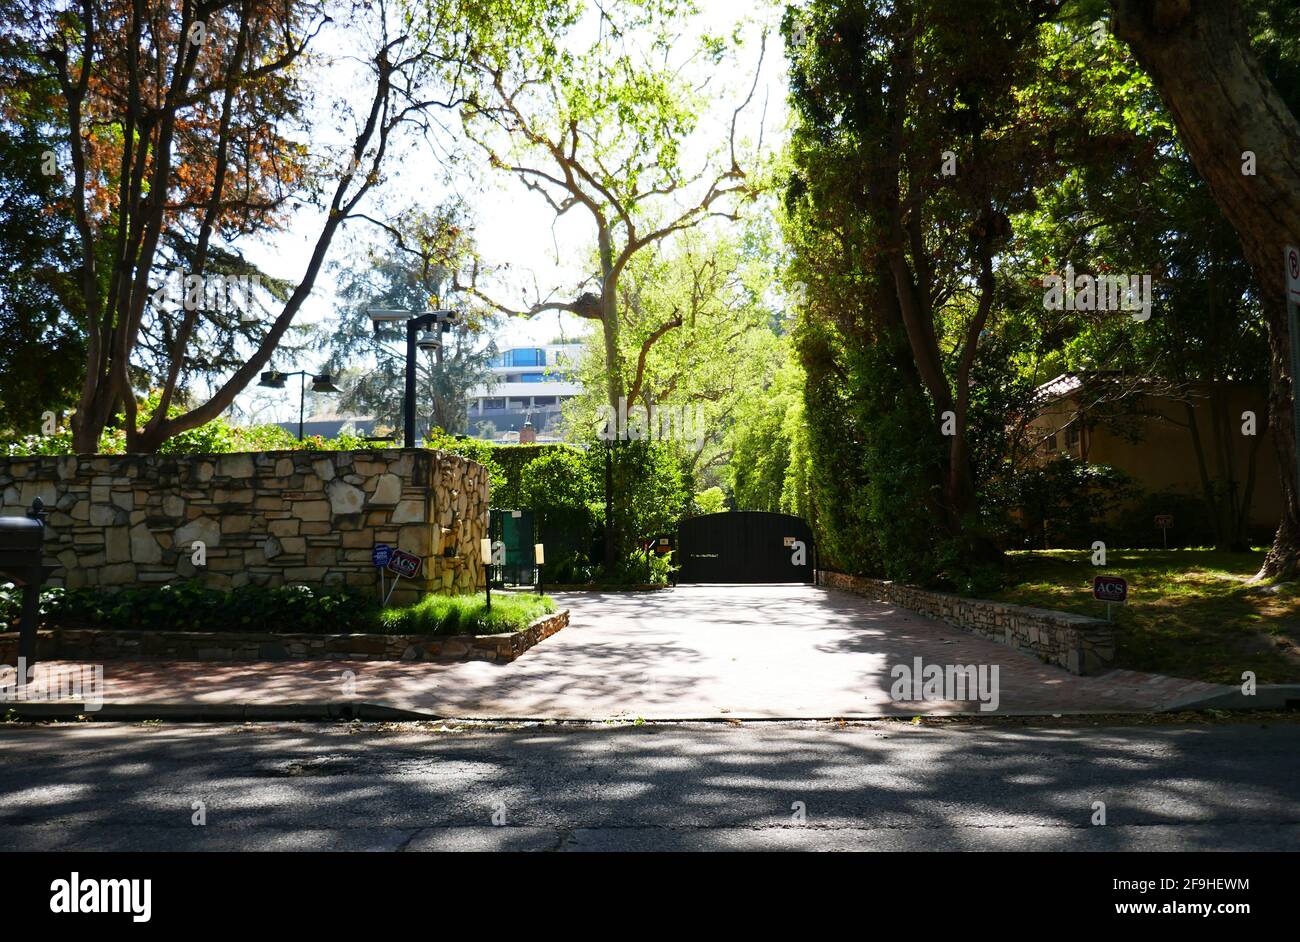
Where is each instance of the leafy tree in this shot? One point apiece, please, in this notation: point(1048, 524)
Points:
point(920, 129)
point(598, 126)
point(715, 292)
point(179, 136)
point(1129, 200)
point(760, 445)
point(41, 357)
point(711, 500)
point(1230, 74)
point(410, 272)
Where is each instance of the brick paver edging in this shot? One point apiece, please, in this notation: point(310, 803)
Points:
point(99, 644)
point(1080, 644)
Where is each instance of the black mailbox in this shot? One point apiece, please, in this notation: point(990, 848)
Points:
point(22, 540)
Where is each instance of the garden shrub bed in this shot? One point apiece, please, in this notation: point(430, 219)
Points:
point(98, 644)
point(188, 607)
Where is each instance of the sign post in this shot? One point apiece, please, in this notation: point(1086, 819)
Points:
point(1293, 328)
point(402, 565)
point(1164, 522)
point(1110, 589)
point(485, 553)
point(379, 556)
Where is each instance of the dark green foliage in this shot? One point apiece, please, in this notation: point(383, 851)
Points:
point(654, 490)
point(188, 606)
point(1069, 146)
point(1192, 525)
point(571, 568)
point(1064, 503)
point(560, 477)
point(562, 480)
point(42, 354)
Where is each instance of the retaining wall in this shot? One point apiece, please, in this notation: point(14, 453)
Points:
point(1080, 644)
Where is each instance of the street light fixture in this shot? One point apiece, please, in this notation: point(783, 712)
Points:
point(420, 334)
point(320, 383)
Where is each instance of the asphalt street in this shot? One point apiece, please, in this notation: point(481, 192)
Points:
point(874, 785)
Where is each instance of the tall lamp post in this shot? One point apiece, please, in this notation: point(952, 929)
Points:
point(320, 383)
point(420, 334)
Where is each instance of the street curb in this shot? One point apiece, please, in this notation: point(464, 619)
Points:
point(214, 712)
point(1267, 697)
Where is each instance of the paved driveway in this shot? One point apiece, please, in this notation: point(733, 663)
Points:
point(693, 652)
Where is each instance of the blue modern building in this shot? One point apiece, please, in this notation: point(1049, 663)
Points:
point(529, 384)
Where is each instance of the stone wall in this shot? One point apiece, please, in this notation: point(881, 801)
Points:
point(102, 644)
point(270, 518)
point(1080, 644)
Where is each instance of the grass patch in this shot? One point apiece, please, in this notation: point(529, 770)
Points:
point(1190, 612)
point(466, 614)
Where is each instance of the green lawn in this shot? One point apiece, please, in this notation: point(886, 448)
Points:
point(1190, 612)
point(467, 614)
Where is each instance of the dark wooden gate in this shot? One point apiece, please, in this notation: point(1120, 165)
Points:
point(749, 546)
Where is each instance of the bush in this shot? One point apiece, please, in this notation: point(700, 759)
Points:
point(1066, 503)
point(710, 501)
point(639, 569)
point(217, 437)
point(561, 478)
point(188, 606)
point(570, 569)
point(1192, 526)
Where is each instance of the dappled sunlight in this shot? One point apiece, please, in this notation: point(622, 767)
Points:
point(698, 652)
point(384, 784)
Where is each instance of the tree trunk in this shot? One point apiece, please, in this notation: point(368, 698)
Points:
point(1207, 485)
point(1223, 104)
point(614, 390)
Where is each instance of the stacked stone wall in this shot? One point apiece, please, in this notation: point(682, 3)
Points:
point(271, 518)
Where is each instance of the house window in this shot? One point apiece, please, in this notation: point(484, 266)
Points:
point(530, 356)
point(526, 356)
point(532, 378)
point(1051, 442)
point(1072, 436)
point(543, 400)
point(494, 403)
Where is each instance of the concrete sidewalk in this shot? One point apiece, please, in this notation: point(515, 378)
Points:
point(694, 652)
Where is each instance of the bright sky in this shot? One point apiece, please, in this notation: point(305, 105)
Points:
point(514, 225)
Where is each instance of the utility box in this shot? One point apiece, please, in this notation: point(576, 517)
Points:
point(22, 541)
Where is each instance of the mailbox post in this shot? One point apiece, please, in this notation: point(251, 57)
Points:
point(21, 542)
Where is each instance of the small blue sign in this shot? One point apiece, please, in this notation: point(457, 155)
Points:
point(380, 555)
